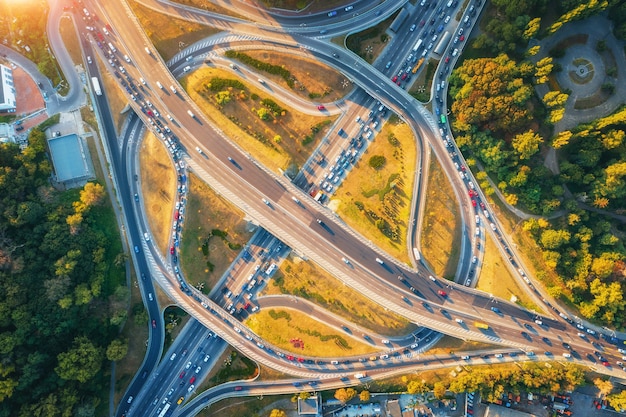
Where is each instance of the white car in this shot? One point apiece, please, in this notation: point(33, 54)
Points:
point(191, 387)
point(188, 365)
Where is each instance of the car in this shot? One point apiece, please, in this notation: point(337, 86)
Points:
point(321, 107)
point(172, 250)
point(191, 387)
point(153, 324)
point(422, 23)
point(465, 357)
point(385, 341)
point(130, 399)
point(192, 379)
point(461, 38)
point(206, 358)
point(136, 249)
point(180, 400)
point(442, 293)
point(188, 365)
point(301, 360)
point(394, 78)
point(238, 388)
point(498, 355)
point(474, 259)
point(198, 369)
point(182, 375)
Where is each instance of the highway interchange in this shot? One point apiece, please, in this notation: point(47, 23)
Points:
point(302, 224)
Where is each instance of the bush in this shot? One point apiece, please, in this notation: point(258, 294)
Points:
point(377, 161)
point(263, 66)
point(272, 106)
point(219, 84)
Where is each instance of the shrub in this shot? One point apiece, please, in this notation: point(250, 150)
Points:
point(377, 161)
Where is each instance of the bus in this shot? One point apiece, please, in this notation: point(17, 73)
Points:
point(443, 43)
point(443, 119)
point(418, 65)
point(167, 407)
point(481, 325)
point(96, 86)
point(417, 45)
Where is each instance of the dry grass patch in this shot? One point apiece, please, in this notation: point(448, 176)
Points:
point(448, 344)
point(441, 231)
point(289, 328)
point(313, 79)
point(68, 34)
point(204, 254)
point(495, 278)
point(240, 406)
point(305, 280)
point(167, 32)
point(376, 202)
point(158, 187)
point(285, 139)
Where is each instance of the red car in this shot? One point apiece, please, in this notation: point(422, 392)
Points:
point(182, 374)
point(473, 203)
point(290, 357)
point(399, 82)
point(154, 324)
point(422, 23)
point(482, 205)
point(403, 76)
point(394, 78)
point(463, 168)
point(462, 38)
point(172, 250)
point(192, 380)
point(447, 59)
point(247, 306)
point(237, 388)
point(300, 360)
point(176, 215)
point(442, 293)
point(320, 107)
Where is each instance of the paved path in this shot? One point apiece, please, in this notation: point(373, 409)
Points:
point(597, 28)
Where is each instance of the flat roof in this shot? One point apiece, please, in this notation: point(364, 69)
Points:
point(70, 158)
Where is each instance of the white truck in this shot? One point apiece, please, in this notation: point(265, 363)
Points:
point(360, 375)
point(190, 113)
point(96, 86)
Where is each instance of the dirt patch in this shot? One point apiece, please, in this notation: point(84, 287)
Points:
point(27, 95)
point(376, 202)
point(371, 42)
point(272, 132)
point(169, 34)
point(158, 188)
point(305, 280)
point(441, 228)
point(204, 254)
point(313, 79)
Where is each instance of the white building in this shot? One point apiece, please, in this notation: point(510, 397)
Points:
point(7, 90)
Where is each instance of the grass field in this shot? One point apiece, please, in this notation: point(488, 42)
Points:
point(441, 228)
point(284, 327)
point(68, 34)
point(168, 33)
point(158, 188)
point(313, 80)
point(495, 278)
point(371, 42)
point(205, 259)
point(306, 280)
point(278, 142)
point(376, 202)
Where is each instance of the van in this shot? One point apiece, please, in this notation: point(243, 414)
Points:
point(127, 58)
point(112, 47)
point(270, 269)
point(450, 3)
point(455, 52)
point(190, 113)
point(173, 356)
point(251, 284)
point(466, 20)
point(146, 236)
point(89, 60)
point(142, 81)
point(148, 50)
point(159, 85)
point(150, 296)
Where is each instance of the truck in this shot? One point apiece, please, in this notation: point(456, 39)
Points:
point(443, 43)
point(417, 45)
point(418, 65)
point(360, 375)
point(190, 113)
point(480, 325)
point(96, 86)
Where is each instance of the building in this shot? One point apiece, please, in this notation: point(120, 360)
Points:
point(309, 407)
point(7, 90)
point(393, 408)
point(5, 133)
point(71, 160)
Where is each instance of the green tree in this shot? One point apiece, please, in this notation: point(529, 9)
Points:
point(222, 98)
point(377, 161)
point(263, 113)
point(117, 350)
point(81, 362)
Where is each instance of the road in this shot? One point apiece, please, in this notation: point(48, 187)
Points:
point(298, 226)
